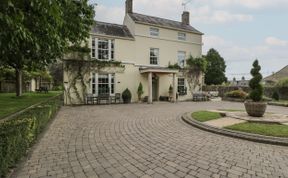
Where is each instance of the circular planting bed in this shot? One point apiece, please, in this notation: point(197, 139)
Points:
point(272, 128)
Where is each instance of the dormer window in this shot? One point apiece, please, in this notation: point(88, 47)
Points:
point(181, 36)
point(102, 49)
point(154, 31)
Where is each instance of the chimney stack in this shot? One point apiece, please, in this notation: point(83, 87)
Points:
point(129, 6)
point(185, 18)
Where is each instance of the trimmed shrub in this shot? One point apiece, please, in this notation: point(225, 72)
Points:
point(20, 132)
point(255, 83)
point(126, 96)
point(236, 94)
point(275, 96)
point(140, 91)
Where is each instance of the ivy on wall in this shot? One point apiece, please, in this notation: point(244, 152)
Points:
point(194, 72)
point(78, 66)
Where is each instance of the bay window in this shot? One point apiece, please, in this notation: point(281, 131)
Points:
point(102, 49)
point(103, 84)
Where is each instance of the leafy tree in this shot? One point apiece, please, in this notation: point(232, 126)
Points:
point(36, 32)
point(216, 67)
point(255, 83)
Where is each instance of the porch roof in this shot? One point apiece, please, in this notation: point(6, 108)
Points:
point(162, 70)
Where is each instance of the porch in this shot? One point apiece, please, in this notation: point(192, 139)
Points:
point(153, 81)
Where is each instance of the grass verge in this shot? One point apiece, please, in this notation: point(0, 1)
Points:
point(262, 129)
point(203, 116)
point(10, 104)
point(20, 132)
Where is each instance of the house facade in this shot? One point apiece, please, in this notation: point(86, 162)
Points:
point(145, 46)
point(273, 79)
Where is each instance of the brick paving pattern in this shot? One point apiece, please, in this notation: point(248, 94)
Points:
point(141, 140)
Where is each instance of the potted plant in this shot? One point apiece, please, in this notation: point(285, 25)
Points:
point(170, 91)
point(126, 96)
point(255, 106)
point(140, 91)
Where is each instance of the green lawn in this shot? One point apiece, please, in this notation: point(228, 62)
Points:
point(203, 116)
point(10, 104)
point(262, 129)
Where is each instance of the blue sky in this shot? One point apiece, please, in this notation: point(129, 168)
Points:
point(241, 30)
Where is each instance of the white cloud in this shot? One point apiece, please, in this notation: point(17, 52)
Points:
point(112, 14)
point(219, 17)
point(252, 4)
point(172, 9)
point(273, 41)
point(239, 58)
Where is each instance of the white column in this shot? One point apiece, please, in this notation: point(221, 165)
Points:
point(150, 99)
point(174, 87)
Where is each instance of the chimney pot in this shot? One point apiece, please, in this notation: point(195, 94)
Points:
point(129, 6)
point(186, 18)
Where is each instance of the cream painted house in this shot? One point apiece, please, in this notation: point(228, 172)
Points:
point(145, 46)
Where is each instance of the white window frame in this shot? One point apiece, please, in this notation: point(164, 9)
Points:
point(181, 84)
point(95, 48)
point(182, 36)
point(154, 32)
point(154, 57)
point(181, 56)
point(95, 82)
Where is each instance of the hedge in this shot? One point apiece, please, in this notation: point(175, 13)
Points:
point(19, 133)
point(236, 94)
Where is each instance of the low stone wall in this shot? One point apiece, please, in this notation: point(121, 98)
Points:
point(268, 91)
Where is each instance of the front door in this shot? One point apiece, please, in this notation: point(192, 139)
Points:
point(155, 81)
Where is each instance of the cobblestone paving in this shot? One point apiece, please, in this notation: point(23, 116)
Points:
point(141, 140)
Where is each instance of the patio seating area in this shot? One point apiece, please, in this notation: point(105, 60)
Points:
point(103, 99)
point(201, 96)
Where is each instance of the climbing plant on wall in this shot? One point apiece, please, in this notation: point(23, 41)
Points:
point(78, 66)
point(194, 72)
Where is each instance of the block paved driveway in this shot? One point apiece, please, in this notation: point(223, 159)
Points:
point(140, 140)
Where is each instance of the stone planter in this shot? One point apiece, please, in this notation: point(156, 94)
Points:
point(255, 109)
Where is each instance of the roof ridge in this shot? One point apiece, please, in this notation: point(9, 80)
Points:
point(109, 23)
point(158, 17)
point(272, 75)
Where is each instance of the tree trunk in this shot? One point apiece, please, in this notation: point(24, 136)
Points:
point(18, 82)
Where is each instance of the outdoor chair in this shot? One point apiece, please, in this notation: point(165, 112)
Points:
point(116, 98)
point(90, 99)
point(104, 97)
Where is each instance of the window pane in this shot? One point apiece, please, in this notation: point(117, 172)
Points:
point(154, 56)
point(154, 31)
point(181, 58)
point(181, 86)
point(103, 84)
point(181, 36)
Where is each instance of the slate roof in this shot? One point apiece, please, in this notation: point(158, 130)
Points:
point(145, 19)
point(103, 28)
point(283, 73)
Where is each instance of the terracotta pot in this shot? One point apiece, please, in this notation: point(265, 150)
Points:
point(255, 109)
